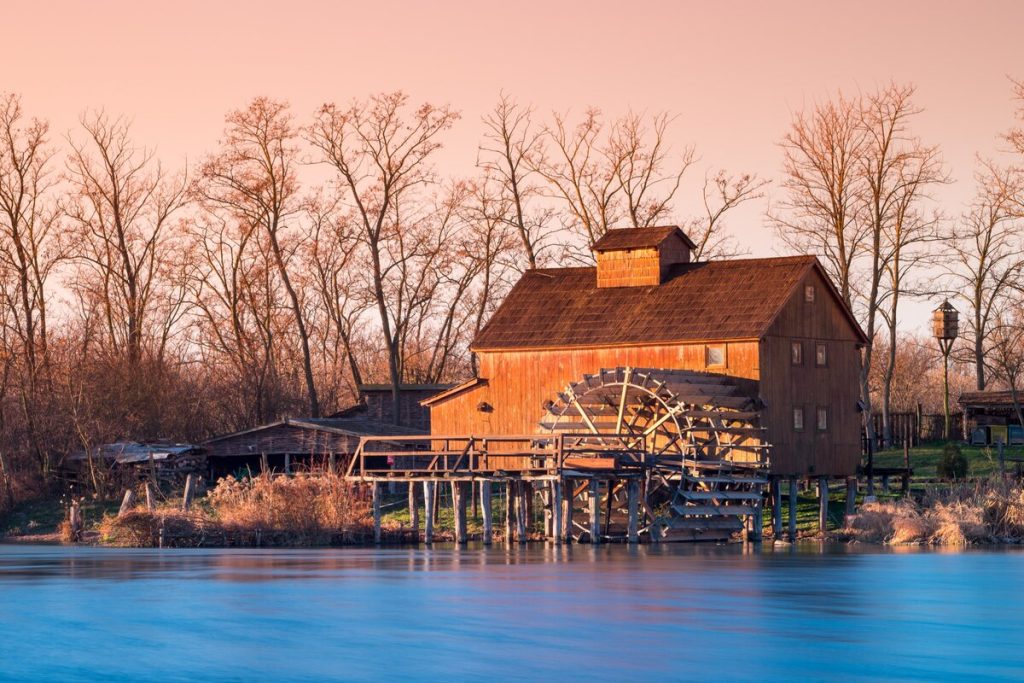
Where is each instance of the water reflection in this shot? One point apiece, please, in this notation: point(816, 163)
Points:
point(519, 612)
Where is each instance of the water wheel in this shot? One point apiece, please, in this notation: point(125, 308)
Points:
point(695, 436)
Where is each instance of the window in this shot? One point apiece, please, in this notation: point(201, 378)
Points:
point(820, 354)
point(798, 419)
point(715, 355)
point(796, 353)
point(822, 419)
point(809, 294)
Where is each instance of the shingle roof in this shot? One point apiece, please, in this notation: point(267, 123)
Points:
point(639, 238)
point(559, 307)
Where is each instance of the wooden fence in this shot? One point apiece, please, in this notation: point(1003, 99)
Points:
point(921, 427)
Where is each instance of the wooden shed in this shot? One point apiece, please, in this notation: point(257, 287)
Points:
point(768, 338)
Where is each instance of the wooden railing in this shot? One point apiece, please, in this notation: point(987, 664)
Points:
point(425, 456)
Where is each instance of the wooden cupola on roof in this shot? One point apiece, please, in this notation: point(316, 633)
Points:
point(640, 257)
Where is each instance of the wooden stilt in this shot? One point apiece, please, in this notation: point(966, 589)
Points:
point(485, 509)
point(555, 497)
point(522, 510)
point(510, 510)
point(568, 495)
point(792, 509)
point(595, 511)
point(186, 499)
point(127, 503)
point(414, 512)
point(549, 516)
point(851, 496)
point(150, 498)
point(287, 464)
point(885, 483)
point(633, 506)
point(332, 463)
point(823, 504)
point(428, 511)
point(376, 511)
point(459, 504)
point(755, 523)
point(775, 486)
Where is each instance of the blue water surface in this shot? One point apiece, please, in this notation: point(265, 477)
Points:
point(613, 613)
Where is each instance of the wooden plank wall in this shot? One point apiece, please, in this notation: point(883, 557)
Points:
point(835, 452)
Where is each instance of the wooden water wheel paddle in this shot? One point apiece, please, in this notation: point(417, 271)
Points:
point(695, 435)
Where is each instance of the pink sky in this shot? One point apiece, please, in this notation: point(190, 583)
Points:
point(733, 72)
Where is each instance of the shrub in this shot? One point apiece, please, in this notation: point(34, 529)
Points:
point(953, 463)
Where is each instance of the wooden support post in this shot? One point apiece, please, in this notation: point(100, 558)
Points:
point(885, 483)
point(775, 488)
point(549, 516)
point(568, 494)
point(287, 463)
point(792, 509)
point(428, 512)
point(522, 510)
point(186, 500)
point(633, 507)
point(150, 498)
point(414, 511)
point(75, 521)
point(376, 510)
point(851, 497)
point(595, 511)
point(332, 463)
point(1002, 458)
point(823, 504)
point(510, 510)
point(127, 503)
point(557, 526)
point(755, 523)
point(459, 505)
point(264, 465)
point(485, 508)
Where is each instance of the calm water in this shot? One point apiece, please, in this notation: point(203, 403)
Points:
point(615, 613)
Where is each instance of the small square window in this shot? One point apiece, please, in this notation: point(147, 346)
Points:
point(809, 294)
point(715, 356)
point(821, 354)
point(822, 419)
point(796, 353)
point(798, 419)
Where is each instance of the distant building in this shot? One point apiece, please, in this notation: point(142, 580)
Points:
point(990, 417)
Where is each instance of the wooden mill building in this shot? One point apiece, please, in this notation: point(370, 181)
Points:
point(656, 386)
point(777, 326)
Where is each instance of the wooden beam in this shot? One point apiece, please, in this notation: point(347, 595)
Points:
point(150, 498)
point(428, 511)
point(775, 484)
point(595, 511)
point(851, 496)
point(522, 510)
point(510, 510)
point(568, 495)
point(127, 503)
point(186, 499)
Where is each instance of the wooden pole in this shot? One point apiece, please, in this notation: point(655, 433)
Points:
point(127, 503)
point(851, 496)
point(775, 486)
point(792, 509)
point(595, 511)
point(428, 512)
point(557, 526)
point(459, 505)
point(376, 511)
point(755, 524)
point(569, 491)
point(186, 501)
point(414, 511)
point(485, 508)
point(264, 464)
point(332, 463)
point(633, 506)
point(906, 462)
point(522, 510)
point(150, 498)
point(287, 463)
point(549, 513)
point(822, 504)
point(75, 521)
point(510, 509)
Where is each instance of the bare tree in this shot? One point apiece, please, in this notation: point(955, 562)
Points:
point(986, 255)
point(1005, 356)
point(722, 193)
point(508, 154)
point(381, 153)
point(29, 248)
point(122, 208)
point(253, 177)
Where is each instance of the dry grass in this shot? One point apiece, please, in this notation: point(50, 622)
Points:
point(261, 511)
point(988, 511)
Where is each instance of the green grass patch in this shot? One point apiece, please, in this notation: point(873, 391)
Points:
point(43, 516)
point(983, 460)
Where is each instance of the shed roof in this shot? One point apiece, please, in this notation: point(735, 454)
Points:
point(346, 426)
point(999, 399)
point(715, 300)
point(640, 238)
